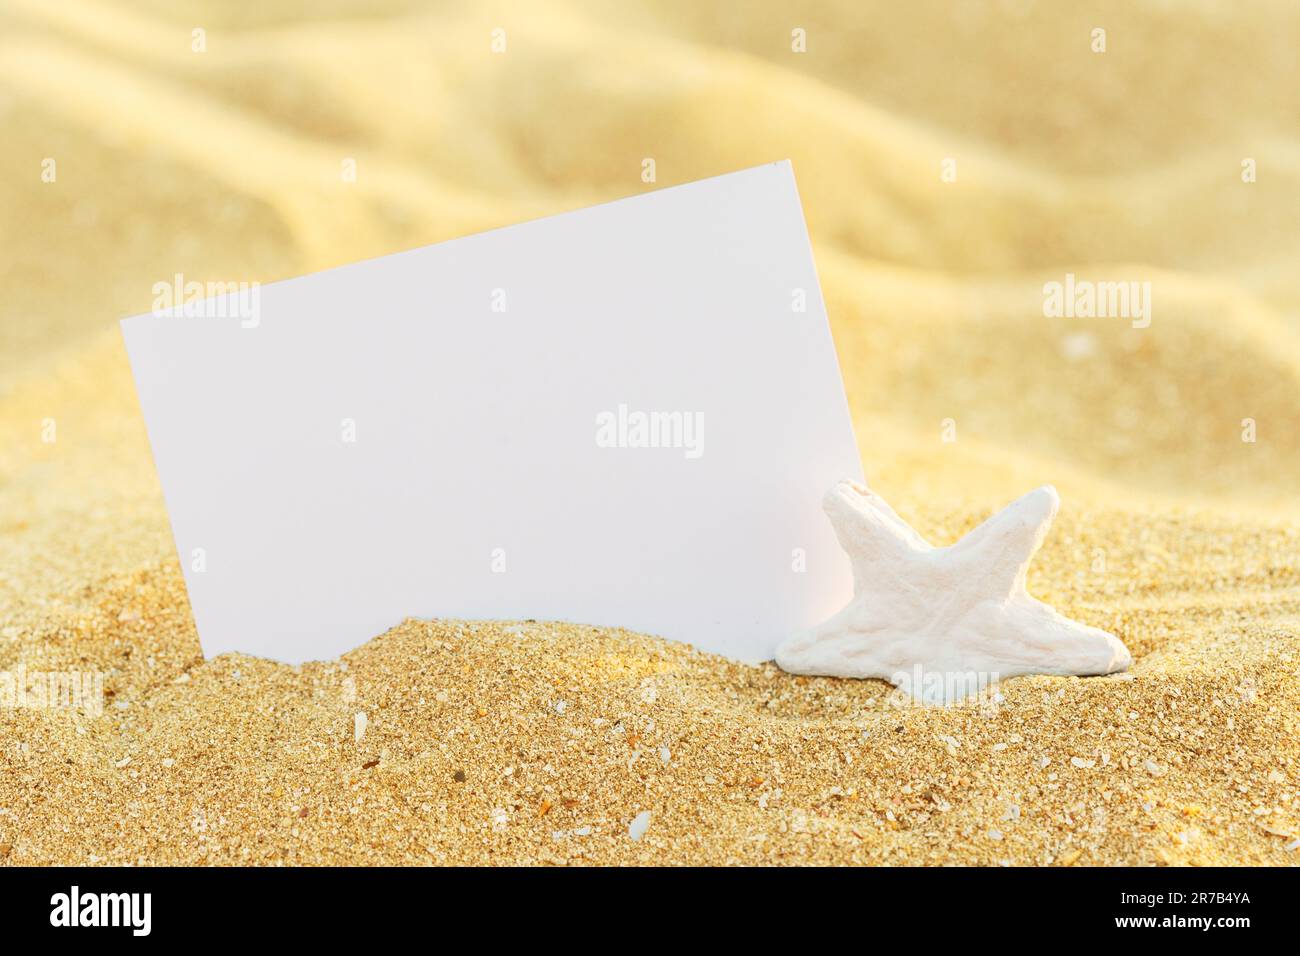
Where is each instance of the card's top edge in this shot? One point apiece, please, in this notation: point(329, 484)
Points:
point(784, 165)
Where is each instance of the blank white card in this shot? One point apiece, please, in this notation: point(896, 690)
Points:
point(623, 416)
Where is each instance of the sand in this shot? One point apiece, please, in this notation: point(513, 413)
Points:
point(530, 742)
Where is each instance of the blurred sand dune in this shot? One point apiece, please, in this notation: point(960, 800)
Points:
point(226, 164)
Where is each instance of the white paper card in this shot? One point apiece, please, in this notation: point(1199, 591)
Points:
point(624, 416)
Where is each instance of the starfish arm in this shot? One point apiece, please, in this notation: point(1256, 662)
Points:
point(871, 534)
point(1001, 548)
point(864, 521)
point(888, 515)
point(1048, 642)
point(845, 644)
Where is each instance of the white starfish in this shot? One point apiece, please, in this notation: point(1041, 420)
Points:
point(944, 622)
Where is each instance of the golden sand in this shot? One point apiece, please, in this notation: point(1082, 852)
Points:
point(542, 743)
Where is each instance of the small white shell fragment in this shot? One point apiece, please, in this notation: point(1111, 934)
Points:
point(359, 723)
point(640, 823)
